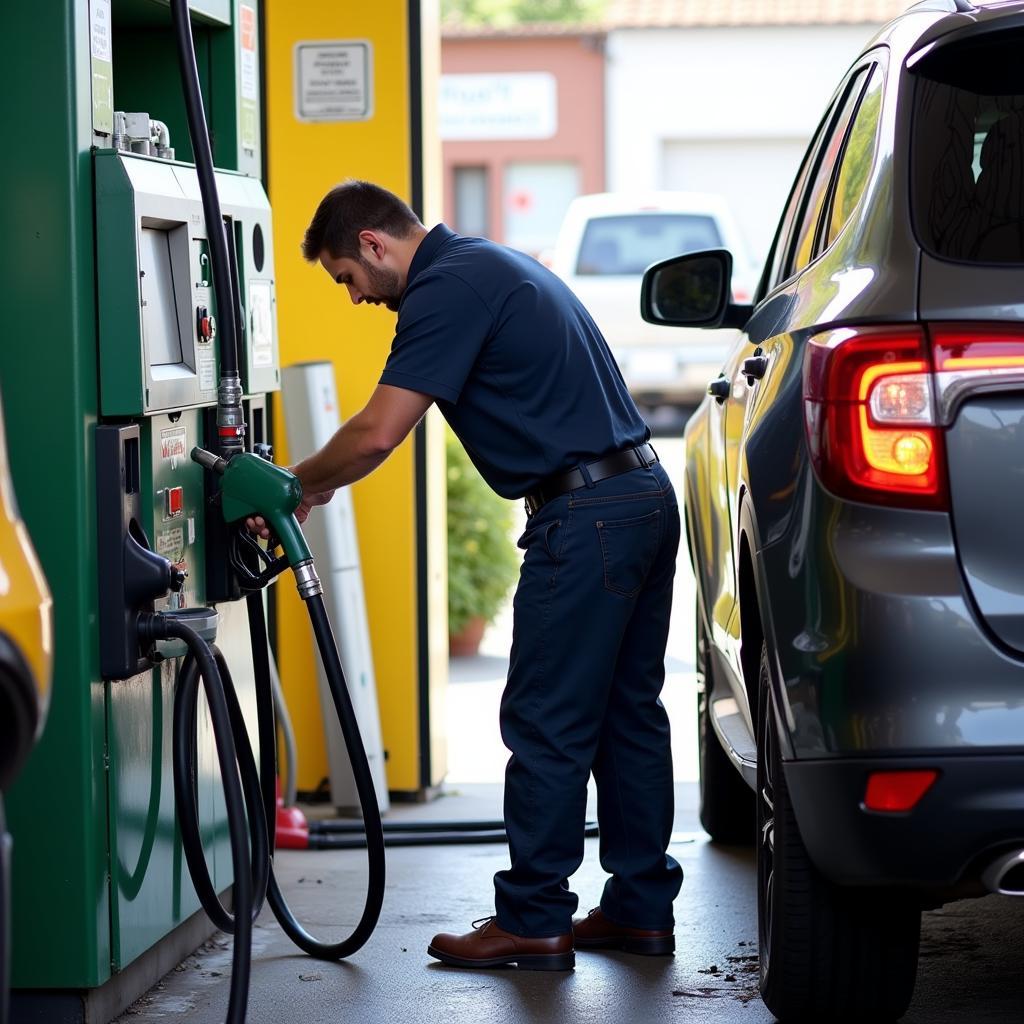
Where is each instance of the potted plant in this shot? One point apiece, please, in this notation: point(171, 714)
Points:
point(482, 559)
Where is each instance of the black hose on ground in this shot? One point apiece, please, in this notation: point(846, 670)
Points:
point(360, 769)
point(185, 775)
point(164, 627)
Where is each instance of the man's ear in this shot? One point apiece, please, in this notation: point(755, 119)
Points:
point(374, 242)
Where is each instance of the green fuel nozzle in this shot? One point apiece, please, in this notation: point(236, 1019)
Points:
point(252, 486)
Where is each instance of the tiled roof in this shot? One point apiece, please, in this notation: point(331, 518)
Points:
point(699, 14)
point(532, 30)
point(708, 13)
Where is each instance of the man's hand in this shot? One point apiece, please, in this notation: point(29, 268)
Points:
point(258, 525)
point(310, 501)
point(357, 448)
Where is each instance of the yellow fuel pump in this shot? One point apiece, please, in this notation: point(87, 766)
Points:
point(26, 659)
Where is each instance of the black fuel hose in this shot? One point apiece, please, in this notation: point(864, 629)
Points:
point(259, 785)
point(200, 136)
point(185, 774)
point(360, 769)
point(165, 627)
point(331, 826)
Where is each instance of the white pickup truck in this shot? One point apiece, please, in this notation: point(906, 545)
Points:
point(605, 243)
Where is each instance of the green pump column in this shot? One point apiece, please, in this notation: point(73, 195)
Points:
point(98, 874)
point(58, 809)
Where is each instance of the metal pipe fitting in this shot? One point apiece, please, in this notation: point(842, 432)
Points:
point(230, 416)
point(307, 580)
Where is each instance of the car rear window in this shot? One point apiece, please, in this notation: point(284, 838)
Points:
point(630, 243)
point(967, 161)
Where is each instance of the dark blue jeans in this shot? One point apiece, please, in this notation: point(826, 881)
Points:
point(591, 616)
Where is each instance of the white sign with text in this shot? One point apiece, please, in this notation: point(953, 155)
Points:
point(334, 80)
point(516, 105)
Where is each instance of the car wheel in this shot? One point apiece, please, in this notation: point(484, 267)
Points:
point(726, 801)
point(827, 953)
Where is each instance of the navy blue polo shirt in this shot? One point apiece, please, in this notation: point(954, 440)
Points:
point(515, 363)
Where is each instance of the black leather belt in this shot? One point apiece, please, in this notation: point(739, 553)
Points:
point(600, 469)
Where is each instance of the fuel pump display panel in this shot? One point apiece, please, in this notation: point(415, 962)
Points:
point(157, 309)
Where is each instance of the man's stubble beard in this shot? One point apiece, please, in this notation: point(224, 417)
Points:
point(386, 285)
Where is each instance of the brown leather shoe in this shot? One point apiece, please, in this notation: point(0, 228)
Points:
point(487, 945)
point(595, 931)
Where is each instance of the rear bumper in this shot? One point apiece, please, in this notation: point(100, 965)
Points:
point(974, 810)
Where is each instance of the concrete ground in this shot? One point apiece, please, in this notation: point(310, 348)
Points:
point(970, 964)
point(970, 969)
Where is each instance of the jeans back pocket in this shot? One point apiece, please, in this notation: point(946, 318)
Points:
point(629, 548)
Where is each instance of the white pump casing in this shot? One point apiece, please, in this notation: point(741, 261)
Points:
point(312, 417)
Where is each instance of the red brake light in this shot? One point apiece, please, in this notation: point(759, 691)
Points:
point(870, 417)
point(899, 791)
point(969, 354)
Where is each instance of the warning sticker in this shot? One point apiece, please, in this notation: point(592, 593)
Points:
point(100, 31)
point(207, 371)
point(171, 543)
point(262, 322)
point(248, 73)
point(247, 41)
point(334, 81)
point(173, 445)
point(100, 36)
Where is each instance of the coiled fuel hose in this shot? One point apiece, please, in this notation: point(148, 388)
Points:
point(164, 627)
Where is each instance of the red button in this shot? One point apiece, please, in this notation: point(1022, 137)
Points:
point(175, 501)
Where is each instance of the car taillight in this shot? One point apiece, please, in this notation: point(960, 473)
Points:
point(877, 399)
point(897, 792)
point(968, 356)
point(869, 411)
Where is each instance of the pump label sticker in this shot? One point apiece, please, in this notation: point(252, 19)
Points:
point(207, 367)
point(173, 445)
point(334, 81)
point(248, 77)
point(262, 318)
point(100, 33)
point(171, 543)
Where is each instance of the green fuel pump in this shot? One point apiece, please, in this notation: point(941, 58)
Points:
point(243, 484)
point(154, 328)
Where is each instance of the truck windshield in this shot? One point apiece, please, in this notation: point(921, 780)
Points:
point(967, 161)
point(630, 243)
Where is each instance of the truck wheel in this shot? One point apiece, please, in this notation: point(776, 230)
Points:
point(726, 801)
point(827, 952)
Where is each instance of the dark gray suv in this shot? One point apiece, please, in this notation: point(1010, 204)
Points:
point(855, 500)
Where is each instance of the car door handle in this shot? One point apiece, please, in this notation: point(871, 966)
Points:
point(755, 366)
point(719, 389)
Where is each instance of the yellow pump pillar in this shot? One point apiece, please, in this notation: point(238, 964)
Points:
point(347, 86)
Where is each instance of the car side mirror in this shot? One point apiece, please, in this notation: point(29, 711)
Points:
point(694, 290)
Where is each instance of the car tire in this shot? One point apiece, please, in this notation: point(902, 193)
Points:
point(726, 801)
point(827, 952)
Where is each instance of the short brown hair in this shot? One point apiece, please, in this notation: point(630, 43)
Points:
point(349, 208)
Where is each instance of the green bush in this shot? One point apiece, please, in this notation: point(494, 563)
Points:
point(482, 559)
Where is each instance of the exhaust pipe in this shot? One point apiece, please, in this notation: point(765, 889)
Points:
point(1005, 875)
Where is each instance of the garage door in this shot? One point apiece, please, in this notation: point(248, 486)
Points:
point(754, 175)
